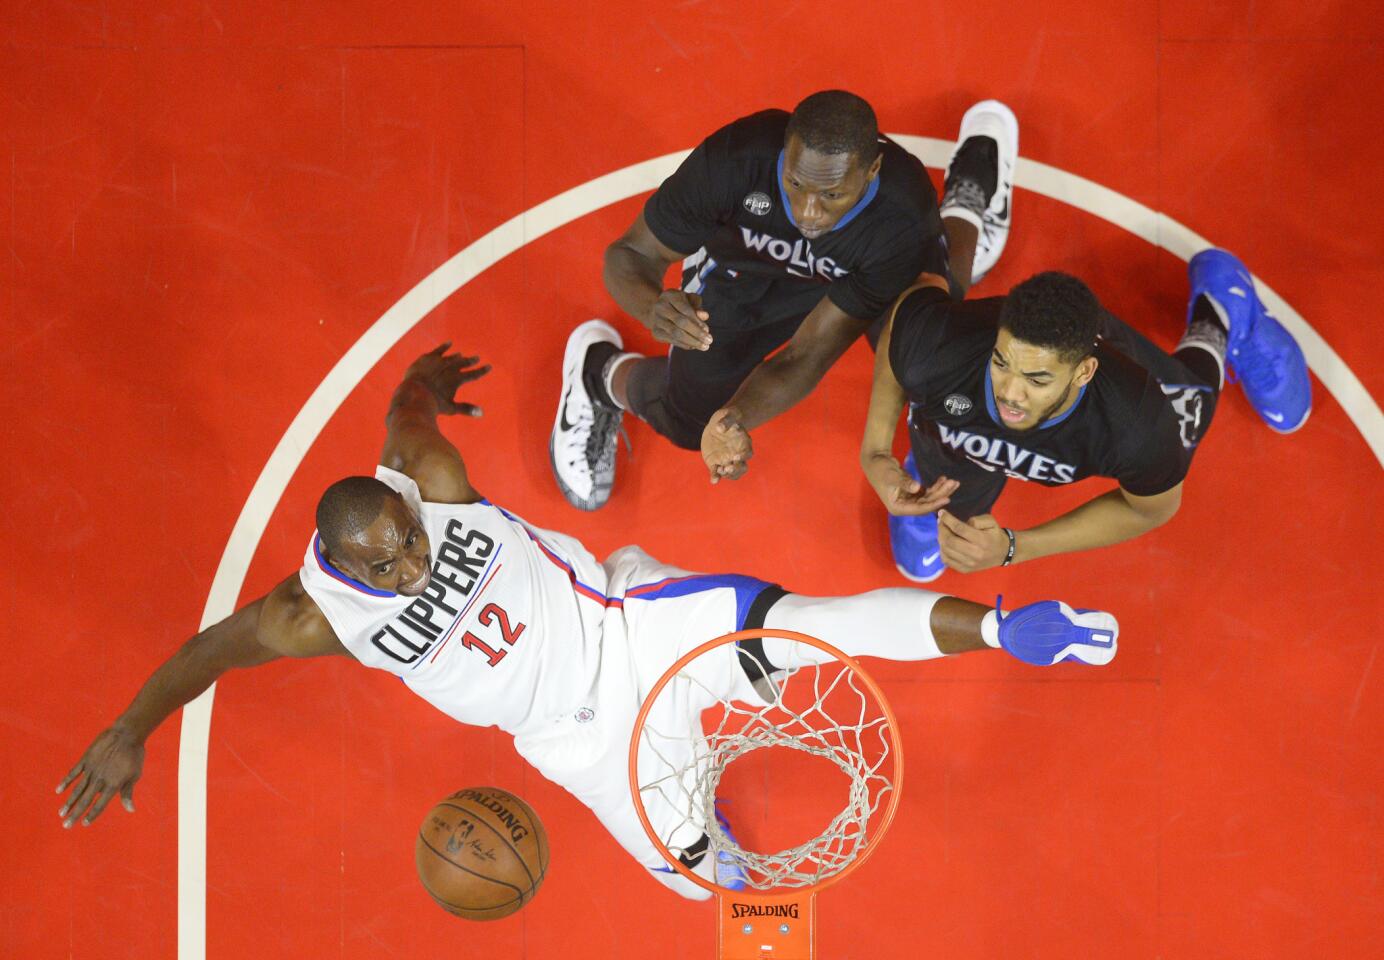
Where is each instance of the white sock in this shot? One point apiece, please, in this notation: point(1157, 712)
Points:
point(608, 374)
point(893, 623)
point(990, 629)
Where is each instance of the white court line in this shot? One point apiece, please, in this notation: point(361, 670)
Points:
point(486, 252)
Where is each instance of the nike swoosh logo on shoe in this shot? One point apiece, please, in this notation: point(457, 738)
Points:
point(931, 557)
point(563, 422)
point(1275, 417)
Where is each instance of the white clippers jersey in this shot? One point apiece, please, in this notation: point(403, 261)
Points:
point(508, 632)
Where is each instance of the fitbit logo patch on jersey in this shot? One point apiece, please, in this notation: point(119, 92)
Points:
point(957, 405)
point(796, 256)
point(758, 203)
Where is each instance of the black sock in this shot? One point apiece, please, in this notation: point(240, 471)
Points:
point(1203, 347)
point(1202, 365)
point(593, 372)
point(1204, 312)
point(977, 161)
point(1202, 356)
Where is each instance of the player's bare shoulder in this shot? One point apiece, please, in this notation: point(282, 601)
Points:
point(439, 472)
point(292, 625)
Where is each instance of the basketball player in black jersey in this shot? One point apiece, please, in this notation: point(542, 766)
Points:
point(797, 230)
point(1045, 385)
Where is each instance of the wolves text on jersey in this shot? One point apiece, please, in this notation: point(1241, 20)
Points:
point(997, 453)
point(460, 560)
point(797, 256)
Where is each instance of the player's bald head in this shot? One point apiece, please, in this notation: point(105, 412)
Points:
point(836, 122)
point(348, 508)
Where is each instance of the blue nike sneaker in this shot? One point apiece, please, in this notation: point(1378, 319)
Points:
point(1268, 361)
point(917, 552)
point(729, 874)
point(1051, 632)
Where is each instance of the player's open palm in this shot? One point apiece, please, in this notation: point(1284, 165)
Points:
point(902, 495)
point(444, 374)
point(111, 765)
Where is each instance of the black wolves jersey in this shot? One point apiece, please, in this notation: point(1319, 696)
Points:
point(1121, 426)
point(727, 199)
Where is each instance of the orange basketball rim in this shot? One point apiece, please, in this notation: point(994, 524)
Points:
point(778, 923)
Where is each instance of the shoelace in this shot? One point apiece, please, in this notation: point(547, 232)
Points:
point(578, 440)
point(990, 230)
point(602, 439)
point(966, 194)
point(1260, 371)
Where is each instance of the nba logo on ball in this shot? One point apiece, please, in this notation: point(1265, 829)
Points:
point(957, 405)
point(481, 853)
point(758, 203)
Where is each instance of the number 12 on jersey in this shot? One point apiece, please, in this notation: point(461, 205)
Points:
point(510, 635)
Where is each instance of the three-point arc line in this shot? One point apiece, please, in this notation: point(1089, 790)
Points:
point(465, 266)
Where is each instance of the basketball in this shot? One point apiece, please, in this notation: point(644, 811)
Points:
point(481, 853)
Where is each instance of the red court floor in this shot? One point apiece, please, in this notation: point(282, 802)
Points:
point(208, 204)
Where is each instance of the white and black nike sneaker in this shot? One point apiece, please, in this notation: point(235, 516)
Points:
point(586, 430)
point(980, 179)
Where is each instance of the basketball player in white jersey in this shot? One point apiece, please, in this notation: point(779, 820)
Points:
point(497, 622)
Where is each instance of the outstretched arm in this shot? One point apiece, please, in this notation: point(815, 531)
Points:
point(775, 385)
point(284, 623)
point(414, 445)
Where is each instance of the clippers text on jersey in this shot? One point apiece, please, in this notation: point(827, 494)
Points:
point(461, 558)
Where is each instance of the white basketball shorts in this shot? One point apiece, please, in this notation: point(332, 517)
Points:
point(655, 613)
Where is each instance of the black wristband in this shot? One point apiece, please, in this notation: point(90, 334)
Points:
point(1008, 557)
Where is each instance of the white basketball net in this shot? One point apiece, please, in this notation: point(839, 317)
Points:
point(692, 760)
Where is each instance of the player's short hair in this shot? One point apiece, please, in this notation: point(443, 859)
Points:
point(836, 122)
point(348, 507)
point(1056, 311)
